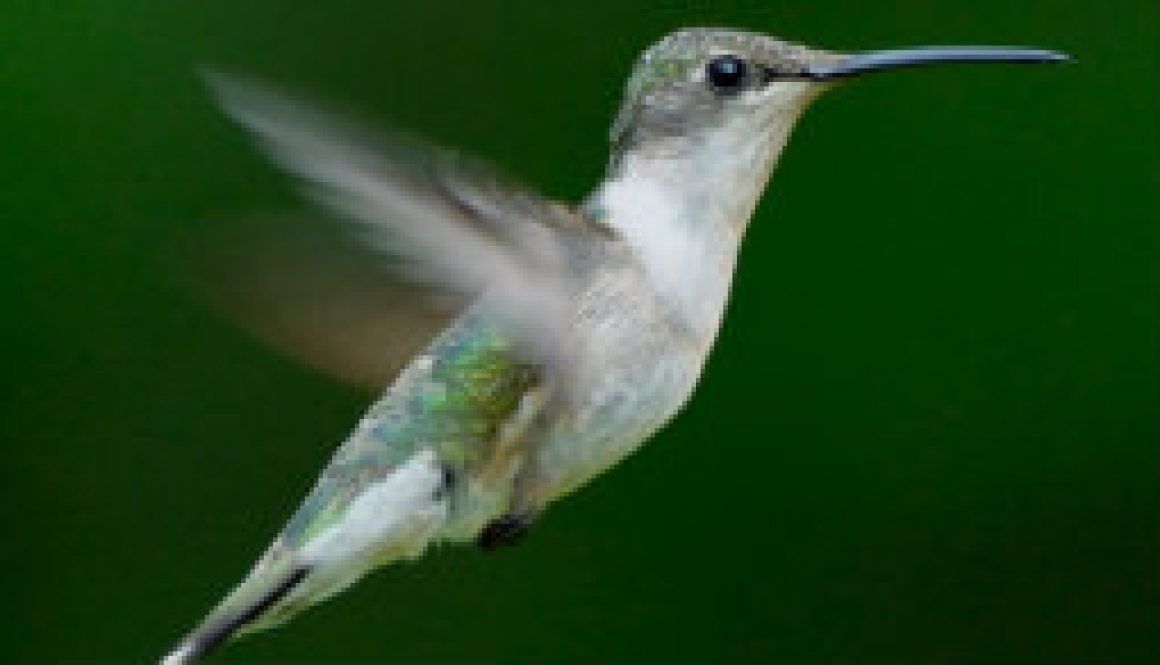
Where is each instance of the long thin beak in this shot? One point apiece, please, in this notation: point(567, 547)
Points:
point(876, 61)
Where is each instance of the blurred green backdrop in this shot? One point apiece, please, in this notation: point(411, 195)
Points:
point(929, 431)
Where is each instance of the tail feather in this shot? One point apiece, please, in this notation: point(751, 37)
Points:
point(252, 601)
point(390, 518)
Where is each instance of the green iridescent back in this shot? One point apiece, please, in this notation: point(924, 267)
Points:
point(453, 399)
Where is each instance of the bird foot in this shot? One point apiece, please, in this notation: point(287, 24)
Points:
point(504, 531)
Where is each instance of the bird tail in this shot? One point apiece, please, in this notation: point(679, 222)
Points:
point(265, 599)
point(325, 549)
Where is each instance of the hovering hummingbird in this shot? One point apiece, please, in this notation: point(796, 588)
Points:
point(555, 339)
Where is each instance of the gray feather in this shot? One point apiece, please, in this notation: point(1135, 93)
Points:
point(442, 222)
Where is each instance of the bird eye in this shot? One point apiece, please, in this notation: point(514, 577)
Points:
point(726, 73)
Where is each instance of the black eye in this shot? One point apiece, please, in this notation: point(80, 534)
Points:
point(726, 72)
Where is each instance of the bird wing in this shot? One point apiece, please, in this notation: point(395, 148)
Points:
point(426, 231)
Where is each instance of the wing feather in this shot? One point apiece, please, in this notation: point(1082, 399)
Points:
point(444, 225)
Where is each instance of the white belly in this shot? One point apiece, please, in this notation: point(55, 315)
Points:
point(640, 369)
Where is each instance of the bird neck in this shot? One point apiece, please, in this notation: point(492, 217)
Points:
point(684, 207)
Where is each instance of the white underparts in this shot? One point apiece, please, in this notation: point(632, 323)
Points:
point(395, 516)
point(684, 205)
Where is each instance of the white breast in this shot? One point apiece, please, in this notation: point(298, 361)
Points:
point(639, 366)
point(687, 256)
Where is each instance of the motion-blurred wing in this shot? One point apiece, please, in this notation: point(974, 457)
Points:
point(324, 300)
point(448, 226)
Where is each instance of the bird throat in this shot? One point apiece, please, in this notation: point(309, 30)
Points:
point(683, 206)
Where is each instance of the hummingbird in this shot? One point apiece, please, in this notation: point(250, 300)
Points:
point(525, 345)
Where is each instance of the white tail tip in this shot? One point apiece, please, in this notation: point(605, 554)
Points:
point(184, 654)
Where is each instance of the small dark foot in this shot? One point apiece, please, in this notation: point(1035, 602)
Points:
point(503, 532)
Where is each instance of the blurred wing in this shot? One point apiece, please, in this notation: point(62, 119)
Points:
point(448, 226)
point(320, 298)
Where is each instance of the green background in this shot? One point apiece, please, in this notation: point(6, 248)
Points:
point(929, 430)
